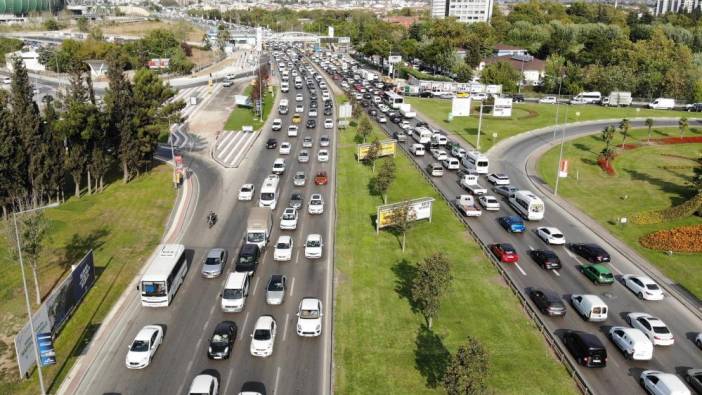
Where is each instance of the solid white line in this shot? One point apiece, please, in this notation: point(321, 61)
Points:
point(520, 269)
point(204, 325)
point(229, 379)
point(616, 269)
point(277, 378)
point(244, 150)
point(285, 326)
point(531, 248)
point(246, 318)
point(292, 287)
point(556, 272)
point(256, 285)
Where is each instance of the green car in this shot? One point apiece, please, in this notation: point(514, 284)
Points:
point(598, 274)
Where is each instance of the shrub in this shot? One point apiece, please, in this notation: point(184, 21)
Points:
point(681, 239)
point(683, 210)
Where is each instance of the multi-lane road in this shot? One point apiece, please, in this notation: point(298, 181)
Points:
point(298, 365)
point(620, 375)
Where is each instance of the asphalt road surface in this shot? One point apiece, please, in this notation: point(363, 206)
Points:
point(298, 365)
point(621, 375)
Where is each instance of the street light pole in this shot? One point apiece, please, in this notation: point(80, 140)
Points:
point(480, 123)
point(26, 294)
point(560, 155)
point(558, 103)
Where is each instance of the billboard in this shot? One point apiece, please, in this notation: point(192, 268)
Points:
point(243, 101)
point(460, 106)
point(345, 110)
point(47, 354)
point(502, 107)
point(157, 63)
point(344, 40)
point(418, 209)
point(55, 310)
point(387, 148)
point(394, 59)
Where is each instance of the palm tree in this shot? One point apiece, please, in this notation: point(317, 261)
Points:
point(682, 125)
point(649, 123)
point(624, 129)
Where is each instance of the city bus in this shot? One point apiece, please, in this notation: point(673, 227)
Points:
point(163, 276)
point(393, 99)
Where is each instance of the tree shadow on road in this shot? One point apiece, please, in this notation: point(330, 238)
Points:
point(431, 356)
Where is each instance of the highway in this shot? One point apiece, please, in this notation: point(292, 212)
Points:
point(620, 375)
point(298, 365)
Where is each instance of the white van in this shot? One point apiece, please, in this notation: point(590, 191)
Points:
point(269, 192)
point(587, 98)
point(633, 343)
point(284, 87)
point(475, 162)
point(527, 205)
point(235, 291)
point(422, 135)
point(662, 104)
point(590, 307)
point(417, 149)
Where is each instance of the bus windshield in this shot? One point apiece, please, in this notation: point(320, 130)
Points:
point(153, 288)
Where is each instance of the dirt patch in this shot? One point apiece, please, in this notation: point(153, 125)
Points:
point(201, 57)
point(8, 361)
point(183, 31)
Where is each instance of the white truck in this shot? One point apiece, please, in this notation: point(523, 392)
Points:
point(259, 226)
point(469, 182)
point(466, 205)
point(617, 99)
point(406, 111)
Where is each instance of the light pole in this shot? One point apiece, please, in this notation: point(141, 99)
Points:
point(26, 293)
point(560, 155)
point(558, 103)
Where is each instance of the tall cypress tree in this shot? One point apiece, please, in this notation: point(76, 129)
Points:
point(120, 109)
point(12, 160)
point(25, 117)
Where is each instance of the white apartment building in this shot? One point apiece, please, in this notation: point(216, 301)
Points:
point(666, 6)
point(467, 11)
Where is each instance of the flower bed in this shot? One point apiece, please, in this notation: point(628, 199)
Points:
point(606, 165)
point(681, 239)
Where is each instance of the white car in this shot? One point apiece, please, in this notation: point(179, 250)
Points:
point(303, 156)
point(313, 246)
point(323, 155)
point(382, 119)
point(328, 123)
point(263, 336)
point(550, 235)
point(489, 202)
point(7, 80)
point(324, 141)
point(656, 382)
point(277, 124)
point(292, 131)
point(307, 142)
point(309, 317)
point(299, 179)
point(316, 205)
point(283, 249)
point(312, 113)
point(284, 148)
point(288, 221)
point(654, 328)
point(548, 100)
point(632, 342)
point(439, 154)
point(299, 97)
point(144, 346)
point(643, 287)
point(498, 179)
point(278, 166)
point(204, 384)
point(246, 192)
point(299, 108)
point(405, 125)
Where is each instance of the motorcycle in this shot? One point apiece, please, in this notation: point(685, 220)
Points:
point(211, 219)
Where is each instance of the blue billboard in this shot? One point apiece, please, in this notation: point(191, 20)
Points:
point(47, 354)
point(67, 296)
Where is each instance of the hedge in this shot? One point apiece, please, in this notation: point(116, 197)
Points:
point(683, 210)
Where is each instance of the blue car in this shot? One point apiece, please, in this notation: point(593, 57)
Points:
point(512, 224)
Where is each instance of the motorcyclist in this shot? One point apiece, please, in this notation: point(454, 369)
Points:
point(211, 218)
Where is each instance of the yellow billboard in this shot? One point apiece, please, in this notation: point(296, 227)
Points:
point(417, 209)
point(387, 148)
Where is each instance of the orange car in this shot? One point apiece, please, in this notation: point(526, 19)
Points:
point(321, 178)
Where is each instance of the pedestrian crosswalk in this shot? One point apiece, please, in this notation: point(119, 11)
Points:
point(231, 147)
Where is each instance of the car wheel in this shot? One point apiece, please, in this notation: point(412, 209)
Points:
point(699, 343)
point(628, 320)
point(640, 295)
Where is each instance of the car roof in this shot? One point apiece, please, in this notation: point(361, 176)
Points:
point(247, 185)
point(309, 304)
point(223, 326)
point(590, 340)
point(215, 252)
point(284, 238)
point(600, 268)
point(288, 209)
point(248, 248)
point(633, 333)
point(263, 322)
point(146, 332)
point(276, 278)
point(316, 196)
point(201, 383)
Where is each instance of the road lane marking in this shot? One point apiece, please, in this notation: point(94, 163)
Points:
point(255, 285)
point(520, 268)
point(556, 272)
point(229, 379)
point(616, 269)
point(292, 287)
point(285, 326)
point(277, 378)
point(297, 256)
point(531, 248)
point(246, 318)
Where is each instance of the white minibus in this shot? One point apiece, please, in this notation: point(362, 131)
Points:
point(163, 276)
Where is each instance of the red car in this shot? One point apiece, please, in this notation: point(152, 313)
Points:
point(321, 178)
point(505, 252)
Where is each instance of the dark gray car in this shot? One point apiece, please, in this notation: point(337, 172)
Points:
point(214, 263)
point(296, 200)
point(275, 292)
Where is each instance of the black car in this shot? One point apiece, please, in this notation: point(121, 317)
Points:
point(517, 98)
point(547, 259)
point(271, 143)
point(313, 104)
point(586, 348)
point(425, 94)
point(694, 107)
point(367, 96)
point(328, 103)
point(547, 302)
point(590, 251)
point(396, 119)
point(248, 257)
point(328, 111)
point(222, 341)
point(311, 124)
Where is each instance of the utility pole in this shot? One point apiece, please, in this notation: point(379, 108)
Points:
point(560, 155)
point(558, 103)
point(480, 123)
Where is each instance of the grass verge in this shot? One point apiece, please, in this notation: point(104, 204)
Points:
point(183, 31)
point(122, 224)
point(241, 116)
point(525, 116)
point(647, 178)
point(381, 344)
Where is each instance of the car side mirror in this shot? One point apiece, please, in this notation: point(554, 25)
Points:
point(137, 287)
point(298, 314)
point(252, 335)
point(220, 295)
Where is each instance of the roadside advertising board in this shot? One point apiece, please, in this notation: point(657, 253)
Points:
point(502, 107)
point(419, 209)
point(460, 106)
point(387, 148)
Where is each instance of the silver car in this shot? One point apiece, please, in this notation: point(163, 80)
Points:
point(299, 179)
point(275, 291)
point(303, 156)
point(214, 262)
point(307, 142)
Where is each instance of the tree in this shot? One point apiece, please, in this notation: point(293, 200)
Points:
point(83, 24)
point(52, 24)
point(467, 371)
point(464, 73)
point(373, 153)
point(364, 128)
point(119, 110)
point(402, 217)
point(682, 126)
point(223, 37)
point(649, 124)
point(501, 73)
point(431, 282)
point(32, 233)
point(386, 176)
point(607, 137)
point(624, 126)
point(11, 156)
point(26, 119)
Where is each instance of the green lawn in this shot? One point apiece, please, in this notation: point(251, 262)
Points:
point(123, 224)
point(647, 178)
point(525, 116)
point(241, 116)
point(381, 345)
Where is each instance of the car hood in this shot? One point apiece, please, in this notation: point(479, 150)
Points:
point(260, 344)
point(137, 356)
point(308, 324)
point(218, 348)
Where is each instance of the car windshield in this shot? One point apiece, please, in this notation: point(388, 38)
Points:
point(262, 334)
point(313, 243)
point(316, 202)
point(246, 189)
point(556, 235)
point(139, 346)
point(220, 338)
point(232, 294)
point(309, 314)
point(282, 246)
point(254, 238)
point(212, 261)
point(607, 276)
point(288, 215)
point(153, 288)
point(275, 286)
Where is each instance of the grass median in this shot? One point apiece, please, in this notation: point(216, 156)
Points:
point(647, 178)
point(242, 116)
point(122, 224)
point(525, 116)
point(381, 344)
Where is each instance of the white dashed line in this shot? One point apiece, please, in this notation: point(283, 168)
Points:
point(285, 326)
point(255, 285)
point(556, 272)
point(520, 269)
point(246, 318)
point(292, 287)
point(277, 378)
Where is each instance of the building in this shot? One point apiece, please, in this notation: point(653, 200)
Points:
point(666, 6)
point(509, 50)
point(29, 58)
point(466, 11)
point(531, 68)
point(405, 21)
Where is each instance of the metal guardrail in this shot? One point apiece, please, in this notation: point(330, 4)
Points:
point(552, 341)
